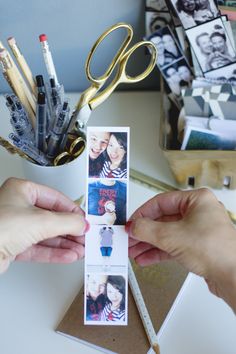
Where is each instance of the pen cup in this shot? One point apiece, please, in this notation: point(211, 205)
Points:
point(69, 178)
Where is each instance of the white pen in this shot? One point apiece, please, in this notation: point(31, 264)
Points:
point(48, 58)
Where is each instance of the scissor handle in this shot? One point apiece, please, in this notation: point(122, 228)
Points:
point(101, 79)
point(122, 76)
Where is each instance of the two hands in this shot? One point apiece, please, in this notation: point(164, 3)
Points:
point(192, 227)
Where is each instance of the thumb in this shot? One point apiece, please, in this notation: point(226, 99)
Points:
point(157, 233)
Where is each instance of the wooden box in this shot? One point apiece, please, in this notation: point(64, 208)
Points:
point(196, 168)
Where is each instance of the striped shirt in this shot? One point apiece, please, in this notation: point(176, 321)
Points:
point(108, 314)
point(107, 172)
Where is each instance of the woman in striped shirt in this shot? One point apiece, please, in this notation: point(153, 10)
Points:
point(114, 310)
point(115, 165)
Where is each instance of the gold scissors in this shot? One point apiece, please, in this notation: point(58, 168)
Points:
point(92, 98)
point(75, 146)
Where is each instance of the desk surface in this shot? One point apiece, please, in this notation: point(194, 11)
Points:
point(34, 297)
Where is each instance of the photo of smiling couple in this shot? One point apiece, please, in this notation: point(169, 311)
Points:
point(107, 154)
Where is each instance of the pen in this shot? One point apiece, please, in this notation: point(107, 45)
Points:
point(41, 87)
point(55, 135)
point(48, 58)
point(16, 83)
point(30, 150)
point(40, 136)
point(19, 119)
point(13, 149)
point(22, 63)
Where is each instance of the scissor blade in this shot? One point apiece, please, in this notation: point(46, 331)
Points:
point(84, 115)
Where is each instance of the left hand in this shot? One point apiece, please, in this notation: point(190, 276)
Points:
point(39, 224)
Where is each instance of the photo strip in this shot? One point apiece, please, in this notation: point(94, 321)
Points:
point(193, 13)
point(106, 242)
point(171, 61)
point(211, 45)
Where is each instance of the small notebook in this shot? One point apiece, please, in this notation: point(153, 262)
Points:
point(159, 284)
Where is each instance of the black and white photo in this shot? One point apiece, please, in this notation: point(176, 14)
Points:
point(156, 20)
point(167, 47)
point(194, 12)
point(156, 5)
point(225, 74)
point(178, 76)
point(211, 45)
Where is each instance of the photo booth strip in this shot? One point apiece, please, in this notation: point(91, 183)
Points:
point(167, 60)
point(106, 242)
point(194, 15)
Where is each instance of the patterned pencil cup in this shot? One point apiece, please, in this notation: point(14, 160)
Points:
point(70, 178)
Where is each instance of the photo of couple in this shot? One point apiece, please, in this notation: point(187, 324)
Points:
point(107, 154)
point(178, 76)
point(226, 74)
point(105, 299)
point(194, 12)
point(211, 45)
point(167, 48)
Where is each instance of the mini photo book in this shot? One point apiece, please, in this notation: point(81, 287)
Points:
point(161, 286)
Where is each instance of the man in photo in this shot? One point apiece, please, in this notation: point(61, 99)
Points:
point(220, 56)
point(173, 79)
point(171, 49)
point(193, 13)
point(185, 75)
point(186, 11)
point(155, 21)
point(206, 10)
point(97, 144)
point(167, 48)
point(206, 48)
point(95, 296)
point(107, 202)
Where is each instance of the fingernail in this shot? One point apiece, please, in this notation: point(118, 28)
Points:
point(128, 225)
point(87, 226)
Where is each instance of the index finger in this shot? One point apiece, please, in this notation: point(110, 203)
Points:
point(50, 199)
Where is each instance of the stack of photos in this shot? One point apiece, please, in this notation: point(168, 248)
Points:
point(171, 60)
point(207, 35)
point(106, 244)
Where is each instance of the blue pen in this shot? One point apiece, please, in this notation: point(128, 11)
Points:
point(41, 122)
point(19, 120)
point(30, 150)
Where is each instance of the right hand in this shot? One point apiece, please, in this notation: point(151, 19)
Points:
point(193, 228)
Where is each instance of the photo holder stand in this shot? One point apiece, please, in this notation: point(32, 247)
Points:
point(195, 168)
